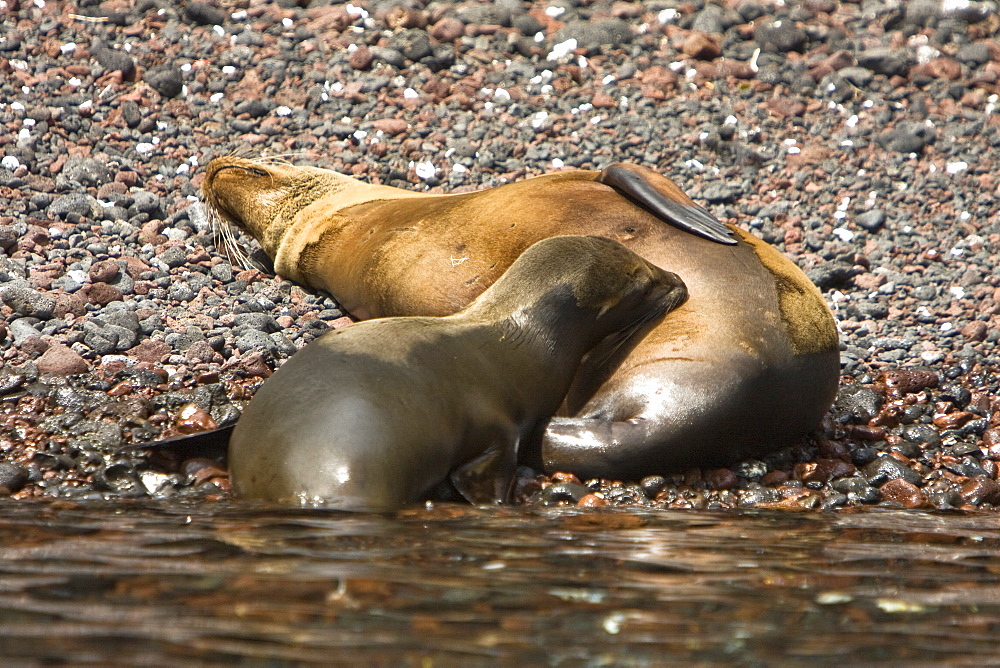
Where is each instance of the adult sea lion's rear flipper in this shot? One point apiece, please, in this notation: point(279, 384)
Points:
point(662, 198)
point(488, 478)
point(596, 448)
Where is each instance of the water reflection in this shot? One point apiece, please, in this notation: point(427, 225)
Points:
point(213, 583)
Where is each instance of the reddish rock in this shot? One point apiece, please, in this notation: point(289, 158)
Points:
point(823, 470)
point(192, 418)
point(705, 71)
point(798, 499)
point(701, 46)
point(939, 68)
point(900, 491)
point(833, 450)
point(991, 438)
point(727, 67)
point(774, 478)
point(975, 331)
point(130, 179)
point(653, 93)
point(603, 101)
point(200, 351)
point(660, 78)
point(785, 107)
point(68, 304)
point(33, 346)
point(361, 59)
point(953, 420)
point(870, 282)
point(980, 490)
point(836, 468)
point(201, 469)
point(150, 351)
point(561, 476)
point(721, 479)
point(592, 501)
point(62, 360)
point(104, 271)
point(134, 266)
point(448, 29)
point(865, 432)
point(391, 126)
point(839, 60)
point(207, 378)
point(102, 293)
point(330, 17)
point(249, 275)
point(150, 233)
point(121, 389)
point(33, 239)
point(251, 365)
point(406, 17)
point(113, 188)
point(905, 381)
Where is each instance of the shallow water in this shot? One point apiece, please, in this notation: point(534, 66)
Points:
point(212, 583)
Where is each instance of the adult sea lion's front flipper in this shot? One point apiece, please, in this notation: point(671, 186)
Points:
point(662, 198)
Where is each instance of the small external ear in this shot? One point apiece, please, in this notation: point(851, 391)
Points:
point(488, 478)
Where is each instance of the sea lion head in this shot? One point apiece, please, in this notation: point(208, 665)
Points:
point(263, 197)
point(592, 286)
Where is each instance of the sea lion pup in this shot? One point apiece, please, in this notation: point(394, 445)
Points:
point(748, 365)
point(372, 416)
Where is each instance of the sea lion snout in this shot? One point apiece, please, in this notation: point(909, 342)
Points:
point(225, 187)
point(644, 289)
point(668, 292)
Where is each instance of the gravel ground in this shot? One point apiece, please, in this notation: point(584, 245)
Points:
point(859, 138)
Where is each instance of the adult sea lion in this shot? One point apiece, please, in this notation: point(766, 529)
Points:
point(372, 416)
point(747, 365)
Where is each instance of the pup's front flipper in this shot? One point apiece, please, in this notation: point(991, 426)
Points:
point(489, 477)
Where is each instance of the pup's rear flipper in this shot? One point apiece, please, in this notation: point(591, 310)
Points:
point(211, 443)
point(661, 197)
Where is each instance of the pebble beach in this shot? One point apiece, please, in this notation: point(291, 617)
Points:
point(859, 138)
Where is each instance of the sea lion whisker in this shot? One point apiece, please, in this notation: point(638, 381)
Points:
point(230, 245)
point(242, 152)
point(278, 158)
